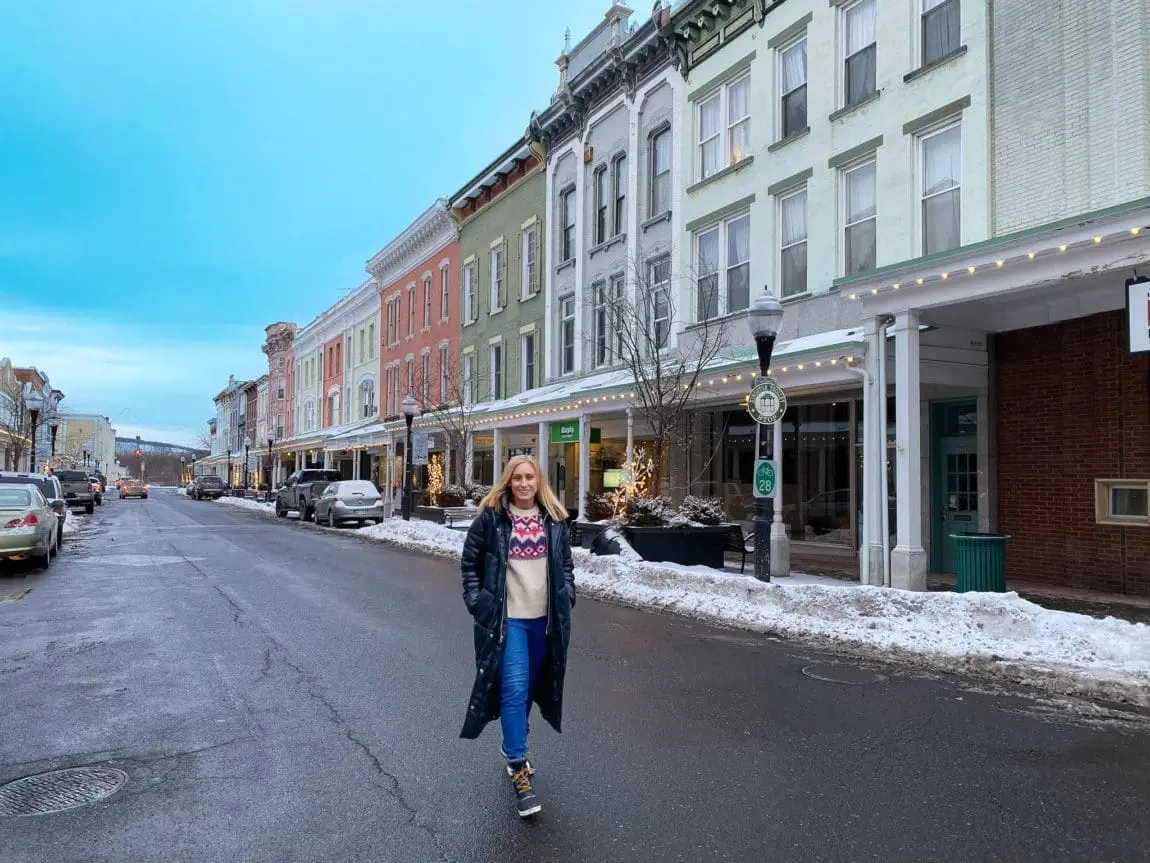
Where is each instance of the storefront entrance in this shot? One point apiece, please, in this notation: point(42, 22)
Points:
point(954, 485)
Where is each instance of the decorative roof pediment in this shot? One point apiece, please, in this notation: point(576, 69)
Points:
point(421, 239)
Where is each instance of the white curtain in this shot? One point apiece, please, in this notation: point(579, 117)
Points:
point(942, 161)
point(794, 215)
point(795, 66)
point(860, 26)
point(860, 193)
point(709, 119)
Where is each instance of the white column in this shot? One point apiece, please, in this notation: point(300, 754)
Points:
point(780, 544)
point(497, 456)
point(541, 453)
point(874, 460)
point(469, 460)
point(355, 463)
point(389, 479)
point(908, 563)
point(584, 462)
point(634, 109)
point(580, 248)
point(326, 460)
point(630, 438)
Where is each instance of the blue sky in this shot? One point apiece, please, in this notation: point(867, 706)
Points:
point(175, 175)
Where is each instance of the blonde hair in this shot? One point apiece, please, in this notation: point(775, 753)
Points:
point(544, 496)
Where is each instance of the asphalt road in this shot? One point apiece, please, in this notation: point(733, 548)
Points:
point(277, 692)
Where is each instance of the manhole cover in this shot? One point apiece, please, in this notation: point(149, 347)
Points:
point(60, 790)
point(842, 674)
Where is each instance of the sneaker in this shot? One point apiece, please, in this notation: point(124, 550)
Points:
point(527, 804)
point(527, 761)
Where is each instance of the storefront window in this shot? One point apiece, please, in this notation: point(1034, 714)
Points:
point(738, 465)
point(817, 472)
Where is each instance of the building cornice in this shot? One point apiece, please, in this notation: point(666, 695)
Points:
point(693, 23)
point(431, 231)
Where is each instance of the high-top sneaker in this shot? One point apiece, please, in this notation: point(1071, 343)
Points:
point(527, 804)
point(527, 761)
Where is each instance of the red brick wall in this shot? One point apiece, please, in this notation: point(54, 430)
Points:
point(1073, 407)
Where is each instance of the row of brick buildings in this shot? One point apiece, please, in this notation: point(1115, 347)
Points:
point(950, 197)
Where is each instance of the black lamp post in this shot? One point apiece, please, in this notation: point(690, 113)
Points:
point(229, 468)
point(34, 402)
point(183, 471)
point(247, 455)
point(54, 426)
point(410, 409)
point(765, 317)
point(84, 453)
point(268, 475)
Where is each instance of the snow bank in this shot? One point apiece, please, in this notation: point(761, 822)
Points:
point(998, 633)
point(245, 503)
point(73, 523)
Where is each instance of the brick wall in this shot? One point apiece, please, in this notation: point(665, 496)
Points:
point(1071, 131)
point(1073, 406)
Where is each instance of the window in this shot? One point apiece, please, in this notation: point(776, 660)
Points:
point(280, 363)
point(367, 399)
point(361, 341)
point(567, 239)
point(566, 335)
point(411, 310)
point(793, 81)
point(527, 352)
point(496, 382)
point(410, 376)
point(280, 394)
point(858, 51)
point(279, 425)
point(659, 303)
point(793, 243)
point(941, 155)
point(443, 293)
point(371, 341)
point(443, 374)
point(940, 29)
point(425, 373)
point(619, 172)
point(390, 323)
point(660, 172)
point(602, 196)
point(530, 255)
point(859, 218)
point(469, 294)
point(497, 279)
point(1122, 501)
point(724, 287)
point(427, 302)
point(468, 379)
point(616, 288)
point(602, 322)
point(347, 353)
point(725, 143)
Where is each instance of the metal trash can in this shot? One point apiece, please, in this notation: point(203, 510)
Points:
point(980, 562)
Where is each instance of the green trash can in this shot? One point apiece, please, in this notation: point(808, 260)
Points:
point(980, 562)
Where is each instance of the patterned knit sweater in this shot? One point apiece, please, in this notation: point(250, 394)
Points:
point(527, 565)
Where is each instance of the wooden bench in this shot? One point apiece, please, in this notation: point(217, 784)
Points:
point(452, 514)
point(739, 543)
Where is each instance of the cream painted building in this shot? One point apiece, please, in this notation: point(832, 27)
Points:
point(90, 435)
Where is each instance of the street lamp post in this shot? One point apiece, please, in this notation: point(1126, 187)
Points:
point(268, 475)
point(34, 402)
point(183, 470)
point(247, 455)
point(84, 453)
point(410, 409)
point(229, 468)
point(54, 426)
point(765, 317)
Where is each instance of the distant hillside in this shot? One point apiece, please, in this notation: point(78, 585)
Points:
point(127, 446)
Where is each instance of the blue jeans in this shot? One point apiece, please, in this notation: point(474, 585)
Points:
point(522, 661)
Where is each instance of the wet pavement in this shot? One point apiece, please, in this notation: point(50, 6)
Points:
point(276, 692)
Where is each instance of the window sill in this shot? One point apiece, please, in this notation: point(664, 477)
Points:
point(570, 262)
point(718, 175)
point(526, 297)
point(426, 330)
point(664, 216)
point(607, 244)
point(794, 298)
point(468, 323)
point(495, 312)
point(794, 136)
point(1122, 522)
point(927, 68)
point(850, 109)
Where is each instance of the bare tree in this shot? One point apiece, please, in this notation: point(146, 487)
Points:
point(15, 421)
point(450, 403)
point(203, 441)
point(635, 331)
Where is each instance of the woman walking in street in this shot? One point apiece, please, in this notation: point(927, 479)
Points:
point(519, 586)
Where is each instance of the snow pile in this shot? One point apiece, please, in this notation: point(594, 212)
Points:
point(1001, 633)
point(73, 523)
point(246, 503)
point(183, 491)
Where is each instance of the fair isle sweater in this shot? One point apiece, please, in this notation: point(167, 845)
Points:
point(527, 564)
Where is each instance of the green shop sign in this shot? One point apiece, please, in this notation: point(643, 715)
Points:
point(568, 432)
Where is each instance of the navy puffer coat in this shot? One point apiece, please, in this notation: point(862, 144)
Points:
point(484, 565)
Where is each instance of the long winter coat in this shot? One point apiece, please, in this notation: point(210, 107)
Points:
point(484, 564)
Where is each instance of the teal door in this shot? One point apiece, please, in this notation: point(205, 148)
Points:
point(954, 489)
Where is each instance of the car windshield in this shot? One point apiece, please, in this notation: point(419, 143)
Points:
point(72, 476)
point(44, 485)
point(358, 486)
point(15, 498)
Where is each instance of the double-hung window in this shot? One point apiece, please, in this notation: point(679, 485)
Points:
point(425, 377)
point(443, 292)
point(469, 311)
point(527, 353)
point(619, 183)
point(858, 51)
point(497, 371)
point(941, 172)
point(427, 302)
point(859, 218)
point(529, 252)
point(618, 312)
point(411, 376)
point(603, 324)
point(660, 155)
point(659, 303)
point(602, 201)
point(941, 21)
point(468, 379)
point(443, 383)
point(371, 341)
point(793, 86)
point(411, 310)
point(723, 265)
point(724, 125)
point(567, 238)
point(566, 334)
point(498, 278)
point(793, 243)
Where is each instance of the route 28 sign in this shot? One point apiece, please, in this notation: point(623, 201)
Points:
point(767, 403)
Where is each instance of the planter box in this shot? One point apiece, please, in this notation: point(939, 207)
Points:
point(689, 546)
point(429, 513)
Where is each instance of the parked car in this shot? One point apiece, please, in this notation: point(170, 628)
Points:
point(349, 500)
point(77, 489)
point(27, 525)
point(206, 488)
point(133, 488)
point(49, 486)
point(302, 490)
